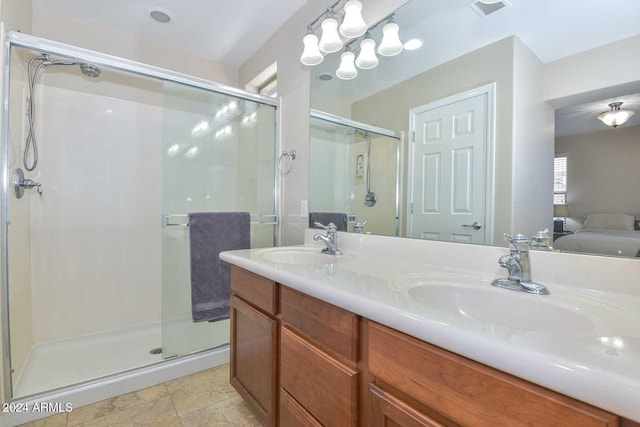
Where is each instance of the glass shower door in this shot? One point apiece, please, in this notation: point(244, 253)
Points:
point(218, 154)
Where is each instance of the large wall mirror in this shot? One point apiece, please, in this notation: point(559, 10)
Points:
point(497, 116)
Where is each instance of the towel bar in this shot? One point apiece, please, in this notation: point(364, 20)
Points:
point(182, 220)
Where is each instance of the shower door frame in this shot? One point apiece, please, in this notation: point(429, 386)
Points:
point(12, 39)
point(399, 136)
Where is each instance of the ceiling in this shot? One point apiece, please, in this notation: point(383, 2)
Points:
point(225, 31)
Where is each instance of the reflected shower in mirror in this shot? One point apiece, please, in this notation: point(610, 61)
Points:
point(552, 75)
point(354, 171)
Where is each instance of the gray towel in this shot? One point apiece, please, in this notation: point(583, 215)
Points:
point(209, 234)
point(324, 218)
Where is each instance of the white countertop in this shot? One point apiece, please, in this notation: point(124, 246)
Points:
point(592, 354)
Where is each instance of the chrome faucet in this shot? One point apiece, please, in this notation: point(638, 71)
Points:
point(518, 265)
point(331, 239)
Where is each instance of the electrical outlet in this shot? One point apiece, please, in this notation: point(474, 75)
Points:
point(304, 208)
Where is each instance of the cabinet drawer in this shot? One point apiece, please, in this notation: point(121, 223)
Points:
point(254, 289)
point(294, 415)
point(467, 392)
point(322, 385)
point(386, 410)
point(332, 327)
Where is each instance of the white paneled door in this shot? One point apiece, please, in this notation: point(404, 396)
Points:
point(449, 163)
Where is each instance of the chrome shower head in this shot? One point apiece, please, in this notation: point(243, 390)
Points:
point(89, 70)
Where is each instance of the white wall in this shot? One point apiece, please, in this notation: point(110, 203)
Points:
point(602, 172)
point(612, 66)
point(95, 235)
point(533, 143)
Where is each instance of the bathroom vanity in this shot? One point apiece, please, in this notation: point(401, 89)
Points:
point(370, 339)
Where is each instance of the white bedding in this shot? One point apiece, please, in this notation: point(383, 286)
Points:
point(603, 242)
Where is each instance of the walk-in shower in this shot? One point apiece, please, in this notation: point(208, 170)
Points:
point(355, 169)
point(95, 268)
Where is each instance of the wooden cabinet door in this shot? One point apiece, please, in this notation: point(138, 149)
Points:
point(254, 350)
point(386, 410)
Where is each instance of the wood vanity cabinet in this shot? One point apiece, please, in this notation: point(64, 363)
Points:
point(254, 343)
point(447, 389)
point(299, 361)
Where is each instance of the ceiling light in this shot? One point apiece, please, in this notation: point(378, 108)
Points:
point(367, 58)
point(347, 69)
point(616, 116)
point(413, 44)
point(390, 44)
point(160, 16)
point(353, 27)
point(330, 40)
point(311, 55)
point(353, 24)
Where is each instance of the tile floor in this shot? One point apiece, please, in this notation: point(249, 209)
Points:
point(202, 399)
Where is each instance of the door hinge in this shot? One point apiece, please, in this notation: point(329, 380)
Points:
point(413, 136)
point(411, 208)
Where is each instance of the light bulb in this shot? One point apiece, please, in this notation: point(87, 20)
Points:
point(347, 69)
point(367, 58)
point(311, 55)
point(353, 24)
point(390, 44)
point(330, 40)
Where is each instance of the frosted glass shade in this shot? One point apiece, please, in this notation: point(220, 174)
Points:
point(390, 44)
point(616, 116)
point(347, 69)
point(353, 24)
point(367, 58)
point(311, 55)
point(330, 40)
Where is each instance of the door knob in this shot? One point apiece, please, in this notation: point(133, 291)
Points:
point(475, 226)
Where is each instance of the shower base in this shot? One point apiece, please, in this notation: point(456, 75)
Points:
point(55, 364)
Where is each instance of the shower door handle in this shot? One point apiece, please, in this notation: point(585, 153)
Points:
point(475, 226)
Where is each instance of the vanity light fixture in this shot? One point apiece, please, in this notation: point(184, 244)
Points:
point(390, 44)
point(353, 24)
point(367, 58)
point(330, 40)
point(616, 116)
point(347, 69)
point(311, 55)
point(353, 27)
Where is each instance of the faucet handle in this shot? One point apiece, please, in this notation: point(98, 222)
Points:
point(330, 227)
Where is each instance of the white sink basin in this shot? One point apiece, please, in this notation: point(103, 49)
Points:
point(502, 307)
point(298, 255)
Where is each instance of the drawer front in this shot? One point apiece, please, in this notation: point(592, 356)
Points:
point(332, 327)
point(322, 385)
point(386, 410)
point(294, 415)
point(447, 382)
point(254, 289)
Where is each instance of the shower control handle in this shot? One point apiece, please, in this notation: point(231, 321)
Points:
point(20, 184)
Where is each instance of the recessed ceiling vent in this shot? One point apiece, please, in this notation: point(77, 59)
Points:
point(487, 7)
